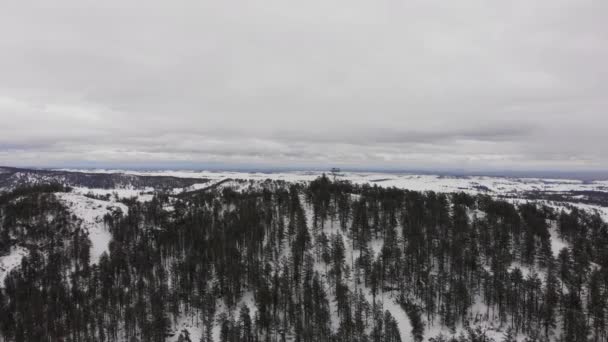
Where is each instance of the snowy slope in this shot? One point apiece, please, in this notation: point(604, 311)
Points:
point(565, 206)
point(11, 261)
point(91, 212)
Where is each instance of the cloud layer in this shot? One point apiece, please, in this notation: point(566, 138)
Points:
point(401, 84)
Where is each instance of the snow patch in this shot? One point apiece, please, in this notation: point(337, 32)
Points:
point(557, 243)
point(191, 323)
point(91, 212)
point(11, 261)
point(144, 195)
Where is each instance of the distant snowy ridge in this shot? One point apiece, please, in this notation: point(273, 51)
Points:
point(437, 183)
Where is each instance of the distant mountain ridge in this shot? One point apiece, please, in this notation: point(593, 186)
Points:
point(11, 177)
point(548, 189)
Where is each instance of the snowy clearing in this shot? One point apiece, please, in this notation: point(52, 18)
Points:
point(91, 212)
point(11, 261)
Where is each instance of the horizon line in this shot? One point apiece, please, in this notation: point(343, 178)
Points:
point(583, 175)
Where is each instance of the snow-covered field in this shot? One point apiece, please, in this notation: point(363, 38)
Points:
point(142, 195)
point(416, 182)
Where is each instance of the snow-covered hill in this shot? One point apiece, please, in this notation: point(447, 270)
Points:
point(559, 193)
point(416, 182)
point(96, 193)
point(91, 213)
point(587, 195)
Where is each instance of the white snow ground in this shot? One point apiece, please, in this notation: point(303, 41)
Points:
point(11, 261)
point(91, 212)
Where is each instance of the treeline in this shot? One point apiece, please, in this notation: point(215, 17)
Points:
point(25, 213)
point(315, 262)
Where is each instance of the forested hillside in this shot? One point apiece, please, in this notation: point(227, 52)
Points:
point(317, 261)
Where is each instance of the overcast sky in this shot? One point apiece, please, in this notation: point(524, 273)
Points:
point(496, 85)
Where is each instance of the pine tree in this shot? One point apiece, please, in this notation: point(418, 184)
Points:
point(509, 336)
point(246, 330)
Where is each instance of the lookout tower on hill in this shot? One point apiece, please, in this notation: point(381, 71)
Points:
point(335, 172)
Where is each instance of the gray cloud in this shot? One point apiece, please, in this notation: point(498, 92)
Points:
point(472, 84)
point(393, 135)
